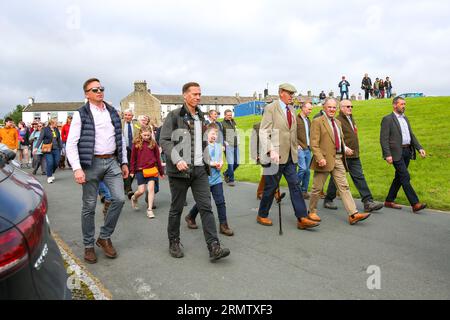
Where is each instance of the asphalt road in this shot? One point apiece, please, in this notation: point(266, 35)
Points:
point(410, 253)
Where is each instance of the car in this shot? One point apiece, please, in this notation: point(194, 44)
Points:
point(411, 95)
point(31, 265)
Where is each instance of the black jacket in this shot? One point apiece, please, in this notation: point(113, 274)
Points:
point(391, 138)
point(177, 136)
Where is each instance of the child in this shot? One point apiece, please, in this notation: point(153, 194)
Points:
point(215, 183)
point(145, 155)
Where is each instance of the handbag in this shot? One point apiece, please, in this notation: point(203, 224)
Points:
point(46, 147)
point(150, 172)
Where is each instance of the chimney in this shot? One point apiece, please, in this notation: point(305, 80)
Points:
point(237, 95)
point(140, 86)
point(30, 101)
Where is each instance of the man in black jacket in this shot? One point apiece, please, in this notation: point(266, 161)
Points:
point(182, 143)
point(366, 85)
point(399, 145)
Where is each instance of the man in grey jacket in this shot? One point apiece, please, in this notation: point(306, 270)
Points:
point(182, 143)
point(399, 145)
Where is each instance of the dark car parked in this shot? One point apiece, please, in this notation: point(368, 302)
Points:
point(31, 266)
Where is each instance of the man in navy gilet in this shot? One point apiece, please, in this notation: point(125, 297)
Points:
point(96, 150)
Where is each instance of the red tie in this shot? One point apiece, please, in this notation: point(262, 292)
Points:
point(289, 116)
point(336, 136)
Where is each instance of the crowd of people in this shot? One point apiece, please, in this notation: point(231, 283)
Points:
point(108, 150)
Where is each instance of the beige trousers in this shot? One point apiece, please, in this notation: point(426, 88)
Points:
point(340, 179)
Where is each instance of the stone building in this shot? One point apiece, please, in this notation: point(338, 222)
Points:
point(142, 102)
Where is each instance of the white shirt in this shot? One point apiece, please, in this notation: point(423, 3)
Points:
point(105, 141)
point(406, 136)
point(306, 130)
point(198, 142)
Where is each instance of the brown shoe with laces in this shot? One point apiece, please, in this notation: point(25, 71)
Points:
point(224, 229)
point(190, 222)
point(357, 217)
point(305, 223)
point(90, 256)
point(107, 247)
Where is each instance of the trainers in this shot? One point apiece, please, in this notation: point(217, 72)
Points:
point(49, 180)
point(175, 250)
point(150, 213)
point(370, 206)
point(134, 203)
point(330, 205)
point(216, 252)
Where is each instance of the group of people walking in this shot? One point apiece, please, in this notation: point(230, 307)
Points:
point(104, 150)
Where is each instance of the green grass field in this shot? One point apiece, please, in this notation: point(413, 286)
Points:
point(430, 121)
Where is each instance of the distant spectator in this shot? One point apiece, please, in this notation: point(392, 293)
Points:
point(38, 157)
point(376, 87)
point(343, 87)
point(50, 134)
point(366, 85)
point(24, 143)
point(388, 87)
point(231, 141)
point(322, 97)
point(381, 84)
point(64, 134)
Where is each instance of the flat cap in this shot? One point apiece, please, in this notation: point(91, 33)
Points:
point(288, 87)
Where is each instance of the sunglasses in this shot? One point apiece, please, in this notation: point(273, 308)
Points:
point(96, 89)
point(349, 107)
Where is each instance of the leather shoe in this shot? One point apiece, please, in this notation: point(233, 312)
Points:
point(392, 205)
point(322, 195)
point(330, 205)
point(225, 229)
point(370, 206)
point(418, 206)
point(264, 221)
point(357, 217)
point(89, 255)
point(305, 223)
point(190, 222)
point(107, 247)
point(314, 217)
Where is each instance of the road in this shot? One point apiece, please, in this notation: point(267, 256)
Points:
point(395, 253)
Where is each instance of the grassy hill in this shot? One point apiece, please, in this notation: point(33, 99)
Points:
point(430, 120)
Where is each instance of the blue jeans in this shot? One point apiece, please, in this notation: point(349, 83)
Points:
point(344, 93)
point(303, 173)
point(219, 199)
point(109, 171)
point(388, 93)
point(288, 170)
point(103, 190)
point(52, 160)
point(232, 155)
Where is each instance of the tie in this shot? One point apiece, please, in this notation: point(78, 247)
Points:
point(130, 136)
point(336, 136)
point(289, 116)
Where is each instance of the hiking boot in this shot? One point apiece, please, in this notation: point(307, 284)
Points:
point(370, 206)
point(224, 229)
point(216, 252)
point(330, 205)
point(174, 248)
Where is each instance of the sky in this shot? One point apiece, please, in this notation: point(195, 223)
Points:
point(49, 48)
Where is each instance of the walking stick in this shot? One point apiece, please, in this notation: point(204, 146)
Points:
point(279, 207)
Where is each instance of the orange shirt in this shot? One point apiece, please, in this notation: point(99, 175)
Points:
point(9, 137)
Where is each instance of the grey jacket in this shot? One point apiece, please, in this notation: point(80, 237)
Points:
point(177, 139)
point(391, 138)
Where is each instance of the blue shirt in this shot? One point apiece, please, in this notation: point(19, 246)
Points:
point(215, 153)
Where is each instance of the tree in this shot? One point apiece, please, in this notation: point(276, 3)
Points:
point(16, 115)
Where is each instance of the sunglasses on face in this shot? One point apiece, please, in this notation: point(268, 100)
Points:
point(96, 89)
point(351, 107)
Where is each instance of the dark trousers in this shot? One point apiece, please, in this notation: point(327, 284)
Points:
point(344, 93)
point(219, 199)
point(367, 93)
point(402, 179)
point(232, 155)
point(128, 181)
point(357, 175)
point(52, 161)
point(290, 173)
point(198, 182)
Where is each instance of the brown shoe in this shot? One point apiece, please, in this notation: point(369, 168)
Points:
point(392, 205)
point(357, 217)
point(190, 222)
point(107, 247)
point(314, 217)
point(305, 223)
point(89, 255)
point(259, 196)
point(418, 206)
point(224, 229)
point(264, 221)
point(306, 195)
point(322, 195)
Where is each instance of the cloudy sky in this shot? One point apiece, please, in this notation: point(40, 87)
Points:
point(48, 48)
